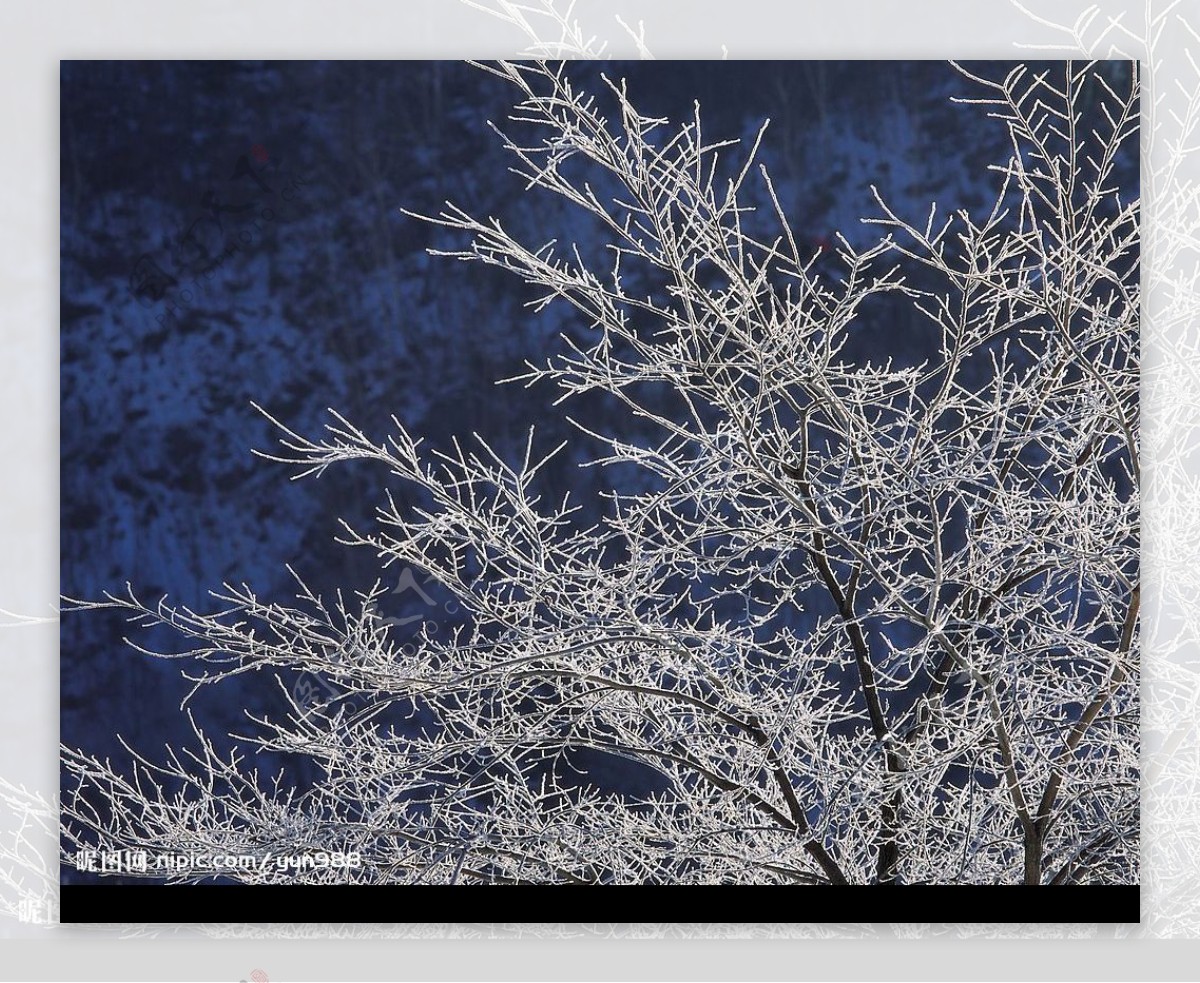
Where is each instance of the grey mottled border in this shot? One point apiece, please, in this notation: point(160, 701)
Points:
point(1158, 33)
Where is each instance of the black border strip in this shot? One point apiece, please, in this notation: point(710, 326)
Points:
point(159, 903)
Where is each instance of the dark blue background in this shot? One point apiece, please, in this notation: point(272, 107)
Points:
point(331, 301)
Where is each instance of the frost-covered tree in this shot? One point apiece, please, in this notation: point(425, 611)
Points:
point(861, 622)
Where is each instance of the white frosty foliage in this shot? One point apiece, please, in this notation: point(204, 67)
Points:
point(28, 875)
point(1163, 36)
